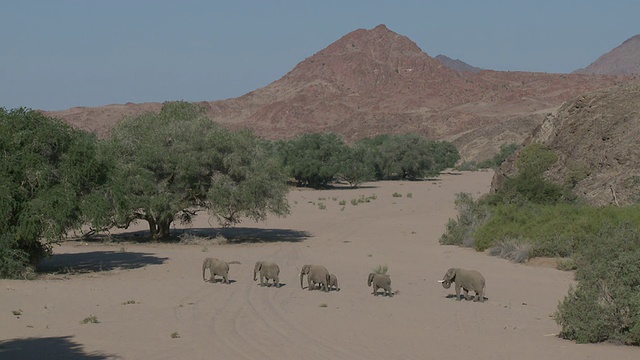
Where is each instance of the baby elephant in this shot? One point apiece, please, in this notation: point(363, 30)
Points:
point(333, 282)
point(267, 270)
point(380, 281)
point(467, 280)
point(216, 267)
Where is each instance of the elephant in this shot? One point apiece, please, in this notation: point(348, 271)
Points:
point(380, 281)
point(316, 274)
point(467, 280)
point(333, 282)
point(216, 267)
point(269, 271)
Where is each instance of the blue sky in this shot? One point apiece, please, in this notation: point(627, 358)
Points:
point(56, 54)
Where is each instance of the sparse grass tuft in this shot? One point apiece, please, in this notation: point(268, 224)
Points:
point(396, 194)
point(342, 202)
point(128, 302)
point(514, 250)
point(17, 312)
point(409, 195)
point(566, 264)
point(91, 319)
point(322, 206)
point(381, 269)
point(175, 335)
point(323, 305)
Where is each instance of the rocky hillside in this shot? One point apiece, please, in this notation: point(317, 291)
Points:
point(622, 60)
point(596, 137)
point(457, 64)
point(377, 81)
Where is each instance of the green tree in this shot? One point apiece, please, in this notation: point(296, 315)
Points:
point(170, 163)
point(354, 167)
point(408, 156)
point(314, 159)
point(529, 183)
point(47, 171)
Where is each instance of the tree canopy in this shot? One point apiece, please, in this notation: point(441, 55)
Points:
point(47, 171)
point(175, 161)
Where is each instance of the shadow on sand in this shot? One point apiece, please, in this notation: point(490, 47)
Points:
point(232, 235)
point(471, 297)
point(98, 261)
point(62, 347)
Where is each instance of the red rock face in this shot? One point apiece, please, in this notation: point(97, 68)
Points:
point(371, 82)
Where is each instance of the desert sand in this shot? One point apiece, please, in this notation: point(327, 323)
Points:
point(152, 303)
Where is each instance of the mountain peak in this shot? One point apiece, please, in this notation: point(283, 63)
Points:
point(622, 60)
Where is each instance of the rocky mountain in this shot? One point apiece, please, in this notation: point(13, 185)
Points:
point(457, 64)
point(596, 138)
point(624, 59)
point(377, 81)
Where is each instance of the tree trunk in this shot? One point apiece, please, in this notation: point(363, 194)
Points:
point(159, 228)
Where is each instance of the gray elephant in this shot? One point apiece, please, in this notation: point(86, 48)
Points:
point(216, 267)
point(467, 280)
point(380, 281)
point(316, 274)
point(268, 271)
point(333, 282)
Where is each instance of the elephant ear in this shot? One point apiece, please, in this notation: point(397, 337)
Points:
point(450, 275)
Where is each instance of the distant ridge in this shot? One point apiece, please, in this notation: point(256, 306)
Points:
point(376, 81)
point(622, 60)
point(457, 65)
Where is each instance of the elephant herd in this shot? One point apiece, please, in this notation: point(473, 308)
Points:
point(318, 277)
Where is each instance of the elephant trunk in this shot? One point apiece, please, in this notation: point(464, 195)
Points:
point(254, 275)
point(301, 277)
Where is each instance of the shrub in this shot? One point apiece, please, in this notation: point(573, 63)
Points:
point(517, 251)
point(471, 215)
point(608, 290)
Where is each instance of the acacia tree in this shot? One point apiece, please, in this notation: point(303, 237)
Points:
point(313, 159)
point(175, 161)
point(408, 156)
point(47, 172)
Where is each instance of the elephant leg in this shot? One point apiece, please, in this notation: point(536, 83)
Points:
point(466, 294)
point(261, 280)
point(276, 280)
point(458, 298)
point(310, 283)
point(226, 278)
point(375, 290)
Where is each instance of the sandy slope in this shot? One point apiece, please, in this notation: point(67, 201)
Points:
point(245, 321)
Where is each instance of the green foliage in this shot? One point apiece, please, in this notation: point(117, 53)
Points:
point(553, 230)
point(91, 319)
point(608, 290)
point(535, 159)
point(471, 215)
point(576, 172)
point(315, 159)
point(353, 167)
point(529, 184)
point(171, 162)
point(47, 171)
point(407, 156)
point(13, 260)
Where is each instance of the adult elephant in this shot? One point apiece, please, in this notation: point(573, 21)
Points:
point(268, 271)
point(316, 274)
point(467, 280)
